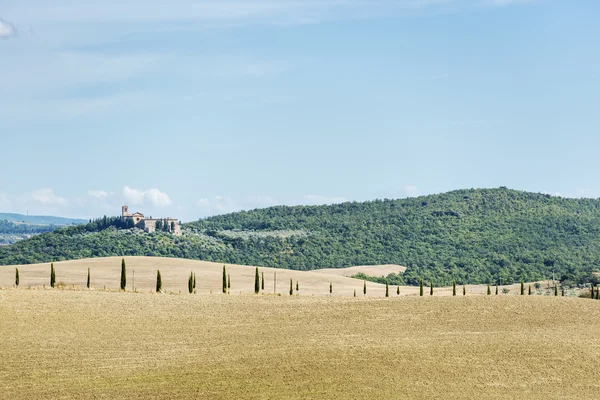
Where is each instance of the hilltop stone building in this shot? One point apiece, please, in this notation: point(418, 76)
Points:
point(151, 224)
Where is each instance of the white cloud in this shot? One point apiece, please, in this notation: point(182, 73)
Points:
point(48, 197)
point(158, 198)
point(317, 200)
point(99, 194)
point(154, 196)
point(412, 191)
point(7, 30)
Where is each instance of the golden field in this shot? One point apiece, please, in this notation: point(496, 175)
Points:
point(112, 345)
point(141, 271)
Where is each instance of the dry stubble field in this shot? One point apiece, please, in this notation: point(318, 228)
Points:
point(96, 344)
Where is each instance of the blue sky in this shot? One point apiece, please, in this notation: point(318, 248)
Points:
point(190, 108)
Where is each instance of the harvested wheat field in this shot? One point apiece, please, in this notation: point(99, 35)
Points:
point(96, 344)
point(141, 272)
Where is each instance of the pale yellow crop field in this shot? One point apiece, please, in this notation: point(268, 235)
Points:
point(111, 345)
point(141, 272)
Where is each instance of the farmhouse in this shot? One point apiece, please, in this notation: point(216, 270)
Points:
point(152, 224)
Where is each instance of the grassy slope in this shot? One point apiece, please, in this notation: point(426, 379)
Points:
point(62, 344)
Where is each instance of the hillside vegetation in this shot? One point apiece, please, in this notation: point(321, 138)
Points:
point(472, 236)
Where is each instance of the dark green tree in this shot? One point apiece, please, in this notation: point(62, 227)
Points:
point(194, 284)
point(562, 290)
point(224, 280)
point(297, 289)
point(453, 288)
point(256, 281)
point(464, 290)
point(88, 279)
point(421, 288)
point(123, 274)
point(555, 290)
point(52, 275)
point(228, 281)
point(522, 289)
point(365, 288)
point(431, 288)
point(496, 288)
point(398, 290)
point(330, 287)
point(17, 277)
point(291, 287)
point(158, 282)
point(354, 292)
point(262, 282)
point(387, 289)
point(489, 290)
point(529, 290)
point(592, 290)
point(191, 283)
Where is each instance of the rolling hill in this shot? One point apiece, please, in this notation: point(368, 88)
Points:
point(472, 236)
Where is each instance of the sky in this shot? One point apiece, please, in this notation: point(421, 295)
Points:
point(191, 108)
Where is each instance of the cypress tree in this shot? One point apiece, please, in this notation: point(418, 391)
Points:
point(228, 281)
point(17, 277)
point(158, 282)
point(365, 287)
point(522, 288)
point(398, 290)
point(256, 282)
point(387, 289)
point(592, 290)
point(562, 289)
point(194, 284)
point(431, 288)
point(224, 280)
point(529, 290)
point(421, 288)
point(453, 288)
point(262, 283)
point(489, 290)
point(330, 287)
point(496, 288)
point(556, 290)
point(354, 292)
point(191, 283)
point(464, 290)
point(52, 275)
point(597, 293)
point(291, 287)
point(123, 274)
point(88, 279)
point(297, 286)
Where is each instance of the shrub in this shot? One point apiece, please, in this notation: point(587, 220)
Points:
point(158, 282)
point(505, 290)
point(123, 274)
point(537, 286)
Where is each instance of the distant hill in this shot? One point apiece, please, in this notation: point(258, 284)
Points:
point(16, 227)
point(42, 220)
point(472, 236)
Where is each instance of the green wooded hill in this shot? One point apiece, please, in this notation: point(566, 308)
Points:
point(472, 236)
